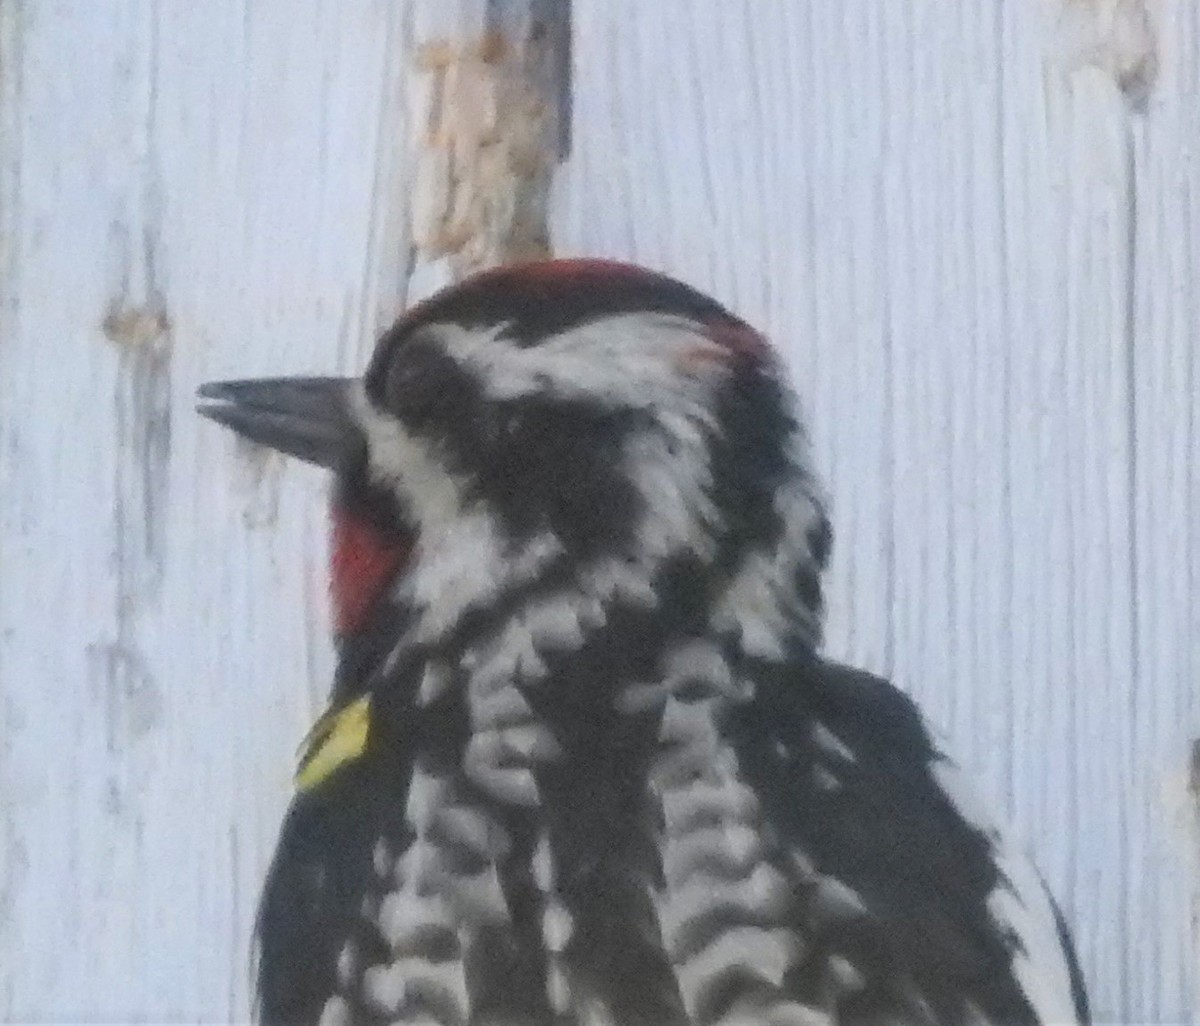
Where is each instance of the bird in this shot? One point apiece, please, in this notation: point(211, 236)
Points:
point(584, 760)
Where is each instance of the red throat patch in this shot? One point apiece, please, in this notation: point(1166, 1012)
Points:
point(363, 564)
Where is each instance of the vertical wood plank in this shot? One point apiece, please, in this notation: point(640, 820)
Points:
point(929, 208)
point(490, 85)
point(1068, 178)
point(194, 192)
point(1165, 711)
point(971, 229)
point(190, 192)
point(728, 151)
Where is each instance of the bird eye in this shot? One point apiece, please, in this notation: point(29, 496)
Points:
point(417, 367)
point(407, 370)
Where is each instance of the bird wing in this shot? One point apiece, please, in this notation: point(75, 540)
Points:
point(377, 849)
point(349, 806)
point(912, 902)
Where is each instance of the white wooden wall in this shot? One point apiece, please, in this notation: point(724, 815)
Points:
point(973, 227)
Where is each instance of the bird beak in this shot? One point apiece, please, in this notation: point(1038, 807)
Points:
point(308, 418)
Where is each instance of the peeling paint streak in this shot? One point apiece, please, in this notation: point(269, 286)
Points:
point(496, 124)
point(14, 856)
point(132, 701)
point(143, 415)
point(138, 325)
point(1116, 36)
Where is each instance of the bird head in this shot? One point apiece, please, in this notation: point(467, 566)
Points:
point(583, 415)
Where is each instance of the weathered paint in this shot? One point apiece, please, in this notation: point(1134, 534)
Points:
point(974, 229)
point(490, 88)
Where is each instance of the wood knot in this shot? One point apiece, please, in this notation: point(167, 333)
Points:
point(136, 326)
point(1116, 36)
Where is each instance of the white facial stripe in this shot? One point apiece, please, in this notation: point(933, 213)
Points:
point(462, 559)
point(408, 465)
point(651, 362)
point(671, 471)
point(465, 563)
point(631, 360)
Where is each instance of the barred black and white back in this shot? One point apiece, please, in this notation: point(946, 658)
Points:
point(607, 778)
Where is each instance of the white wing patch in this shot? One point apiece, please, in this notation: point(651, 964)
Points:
point(1020, 903)
point(557, 927)
point(335, 1013)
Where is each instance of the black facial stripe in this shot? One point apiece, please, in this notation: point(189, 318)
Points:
point(750, 462)
point(548, 464)
point(429, 391)
point(562, 463)
point(543, 463)
point(538, 462)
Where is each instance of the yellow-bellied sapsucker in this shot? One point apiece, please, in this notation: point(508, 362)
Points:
point(583, 762)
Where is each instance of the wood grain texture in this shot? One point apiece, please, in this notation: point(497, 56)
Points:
point(1165, 367)
point(190, 192)
point(490, 101)
point(973, 229)
point(940, 214)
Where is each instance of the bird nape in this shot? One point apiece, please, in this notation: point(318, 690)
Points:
point(583, 762)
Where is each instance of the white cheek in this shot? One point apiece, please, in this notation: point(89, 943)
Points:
point(409, 466)
point(672, 473)
point(463, 559)
point(465, 562)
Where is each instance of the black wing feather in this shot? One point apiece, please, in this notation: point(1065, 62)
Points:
point(869, 814)
point(320, 876)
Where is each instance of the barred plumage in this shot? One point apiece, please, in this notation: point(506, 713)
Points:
point(607, 778)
